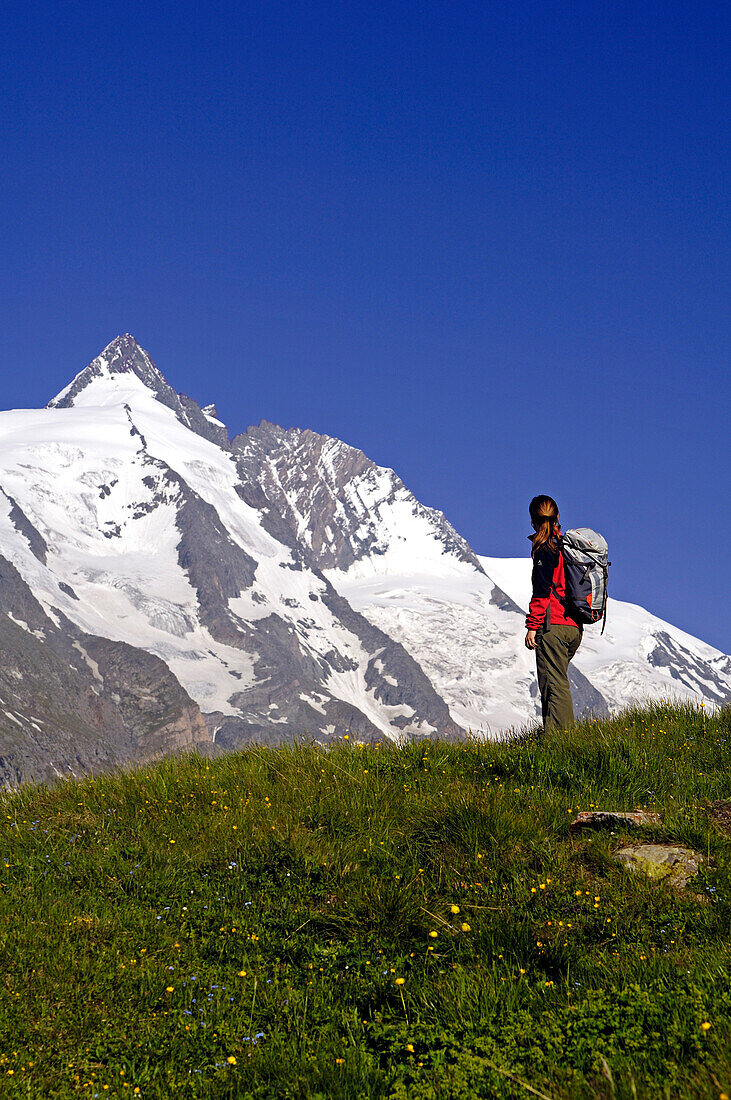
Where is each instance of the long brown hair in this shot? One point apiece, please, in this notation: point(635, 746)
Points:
point(544, 517)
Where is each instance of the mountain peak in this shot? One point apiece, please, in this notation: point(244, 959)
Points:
point(122, 374)
point(123, 356)
point(123, 343)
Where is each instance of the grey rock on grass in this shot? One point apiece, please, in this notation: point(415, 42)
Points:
point(610, 819)
point(662, 862)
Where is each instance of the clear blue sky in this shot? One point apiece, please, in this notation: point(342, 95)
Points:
point(484, 241)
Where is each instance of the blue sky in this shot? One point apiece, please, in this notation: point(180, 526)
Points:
point(486, 242)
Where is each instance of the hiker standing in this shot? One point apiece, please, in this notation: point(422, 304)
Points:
point(552, 631)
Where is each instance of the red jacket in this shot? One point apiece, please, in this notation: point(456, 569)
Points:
point(549, 591)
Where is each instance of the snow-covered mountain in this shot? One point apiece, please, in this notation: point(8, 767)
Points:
point(283, 582)
point(124, 511)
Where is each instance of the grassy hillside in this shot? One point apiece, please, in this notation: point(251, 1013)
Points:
point(372, 922)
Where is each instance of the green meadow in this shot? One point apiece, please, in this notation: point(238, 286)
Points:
point(373, 921)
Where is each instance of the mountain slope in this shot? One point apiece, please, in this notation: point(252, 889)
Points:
point(71, 702)
point(152, 542)
point(280, 581)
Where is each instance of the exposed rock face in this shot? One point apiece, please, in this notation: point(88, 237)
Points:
point(205, 422)
point(158, 715)
point(22, 524)
point(217, 567)
point(405, 683)
point(333, 499)
point(682, 664)
point(71, 703)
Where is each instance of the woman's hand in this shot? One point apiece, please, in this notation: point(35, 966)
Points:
point(530, 639)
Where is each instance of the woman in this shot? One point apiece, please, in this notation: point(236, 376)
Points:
point(552, 632)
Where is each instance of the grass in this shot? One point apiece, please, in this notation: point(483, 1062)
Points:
point(372, 922)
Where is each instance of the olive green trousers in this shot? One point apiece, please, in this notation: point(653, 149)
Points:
point(555, 646)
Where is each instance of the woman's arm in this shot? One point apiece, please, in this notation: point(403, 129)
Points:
point(544, 565)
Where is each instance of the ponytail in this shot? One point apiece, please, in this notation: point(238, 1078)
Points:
point(544, 516)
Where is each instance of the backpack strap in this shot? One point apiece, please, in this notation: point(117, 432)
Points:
point(606, 598)
point(554, 586)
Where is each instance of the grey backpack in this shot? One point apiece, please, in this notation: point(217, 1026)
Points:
point(586, 568)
